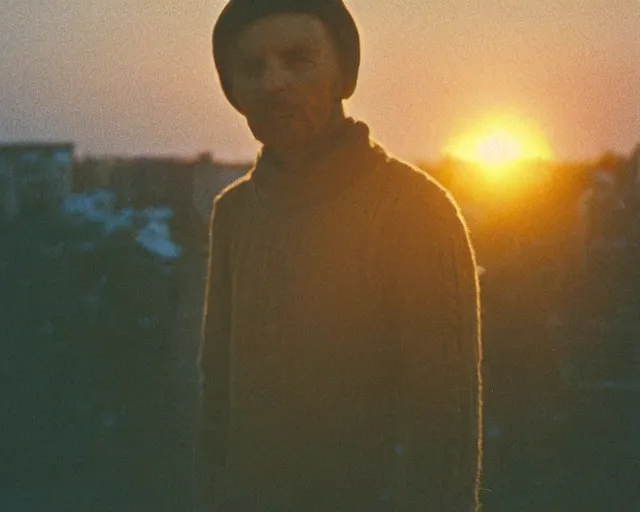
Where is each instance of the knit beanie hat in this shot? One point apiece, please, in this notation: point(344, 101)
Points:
point(237, 14)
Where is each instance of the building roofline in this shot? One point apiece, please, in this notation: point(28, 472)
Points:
point(30, 146)
point(233, 166)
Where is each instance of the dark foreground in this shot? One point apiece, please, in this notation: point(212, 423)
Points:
point(97, 386)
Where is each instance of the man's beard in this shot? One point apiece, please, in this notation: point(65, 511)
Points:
point(285, 123)
point(281, 123)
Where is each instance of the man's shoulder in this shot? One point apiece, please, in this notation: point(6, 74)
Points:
point(418, 191)
point(229, 204)
point(231, 197)
point(422, 205)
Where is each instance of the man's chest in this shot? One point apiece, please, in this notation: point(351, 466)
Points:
point(308, 289)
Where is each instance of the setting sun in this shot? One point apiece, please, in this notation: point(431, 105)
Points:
point(498, 148)
point(499, 143)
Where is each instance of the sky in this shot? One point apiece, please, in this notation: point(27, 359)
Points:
point(137, 76)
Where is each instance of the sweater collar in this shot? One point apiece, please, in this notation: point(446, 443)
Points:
point(345, 156)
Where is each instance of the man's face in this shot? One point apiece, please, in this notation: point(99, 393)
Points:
point(285, 79)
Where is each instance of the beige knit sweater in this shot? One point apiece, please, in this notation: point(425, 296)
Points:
point(341, 352)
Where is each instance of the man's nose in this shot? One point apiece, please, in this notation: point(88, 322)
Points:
point(275, 77)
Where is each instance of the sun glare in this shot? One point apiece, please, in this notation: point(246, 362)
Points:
point(497, 149)
point(499, 143)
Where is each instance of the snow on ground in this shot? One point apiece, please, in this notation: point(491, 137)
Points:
point(150, 226)
point(155, 236)
point(98, 206)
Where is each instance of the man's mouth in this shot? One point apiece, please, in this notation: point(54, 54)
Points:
point(279, 111)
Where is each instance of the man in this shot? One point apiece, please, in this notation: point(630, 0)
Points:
point(340, 361)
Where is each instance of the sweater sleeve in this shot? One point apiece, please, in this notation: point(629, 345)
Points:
point(438, 445)
point(213, 364)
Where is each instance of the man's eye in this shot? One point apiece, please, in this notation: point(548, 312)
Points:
point(296, 59)
point(251, 67)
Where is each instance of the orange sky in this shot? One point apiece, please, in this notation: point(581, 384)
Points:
point(137, 77)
